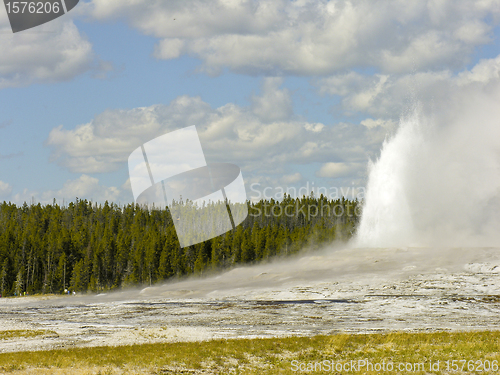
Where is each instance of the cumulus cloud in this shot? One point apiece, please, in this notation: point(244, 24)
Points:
point(58, 54)
point(371, 123)
point(249, 136)
point(336, 170)
point(273, 104)
point(84, 187)
point(292, 178)
point(5, 189)
point(316, 128)
point(103, 144)
point(387, 97)
point(310, 37)
point(484, 71)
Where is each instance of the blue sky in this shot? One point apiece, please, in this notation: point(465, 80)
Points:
point(296, 92)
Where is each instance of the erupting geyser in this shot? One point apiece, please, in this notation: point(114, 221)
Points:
point(437, 181)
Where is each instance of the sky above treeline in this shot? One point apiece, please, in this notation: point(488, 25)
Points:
point(299, 94)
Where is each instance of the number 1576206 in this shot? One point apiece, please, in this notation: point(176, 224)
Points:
point(32, 7)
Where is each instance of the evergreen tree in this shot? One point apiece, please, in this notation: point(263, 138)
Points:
point(89, 247)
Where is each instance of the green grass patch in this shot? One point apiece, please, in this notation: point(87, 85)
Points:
point(266, 356)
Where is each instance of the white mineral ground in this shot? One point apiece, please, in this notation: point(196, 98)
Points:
point(337, 290)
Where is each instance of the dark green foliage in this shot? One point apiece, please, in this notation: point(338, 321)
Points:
point(90, 247)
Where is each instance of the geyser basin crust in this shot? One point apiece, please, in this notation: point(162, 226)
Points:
point(346, 290)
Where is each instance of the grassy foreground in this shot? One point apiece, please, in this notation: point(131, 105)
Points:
point(275, 356)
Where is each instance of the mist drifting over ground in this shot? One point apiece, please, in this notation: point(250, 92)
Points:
point(437, 181)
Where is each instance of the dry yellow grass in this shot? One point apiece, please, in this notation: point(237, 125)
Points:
point(261, 356)
point(27, 333)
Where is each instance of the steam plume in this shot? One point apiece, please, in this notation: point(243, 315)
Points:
point(437, 181)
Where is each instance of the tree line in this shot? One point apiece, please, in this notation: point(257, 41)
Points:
point(86, 247)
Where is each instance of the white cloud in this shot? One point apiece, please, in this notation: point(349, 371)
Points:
point(336, 170)
point(371, 123)
point(310, 37)
point(245, 135)
point(316, 128)
point(388, 97)
point(273, 104)
point(484, 71)
point(103, 144)
point(169, 49)
point(84, 187)
point(291, 178)
point(5, 189)
point(55, 52)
